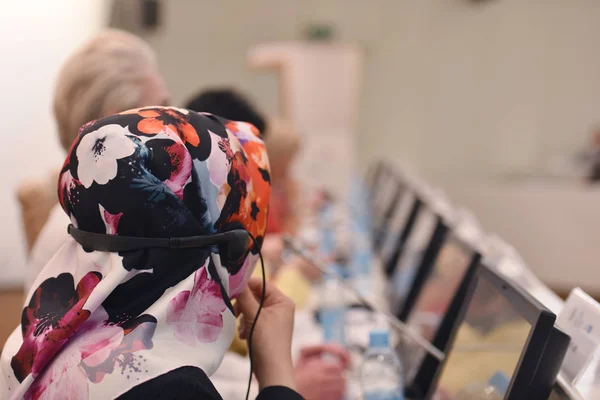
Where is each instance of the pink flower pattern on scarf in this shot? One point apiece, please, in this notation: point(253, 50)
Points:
point(196, 315)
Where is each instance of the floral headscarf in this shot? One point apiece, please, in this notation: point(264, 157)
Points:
point(97, 324)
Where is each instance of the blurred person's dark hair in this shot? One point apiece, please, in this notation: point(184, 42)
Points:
point(229, 104)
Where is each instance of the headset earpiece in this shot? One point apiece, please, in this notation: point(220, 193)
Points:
point(237, 244)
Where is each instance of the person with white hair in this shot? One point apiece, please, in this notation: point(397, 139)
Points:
point(112, 72)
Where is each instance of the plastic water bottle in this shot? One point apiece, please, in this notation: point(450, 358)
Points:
point(381, 373)
point(362, 262)
point(328, 245)
point(328, 242)
point(358, 202)
point(362, 254)
point(494, 389)
point(332, 308)
point(404, 276)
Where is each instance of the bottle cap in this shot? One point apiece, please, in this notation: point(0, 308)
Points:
point(500, 382)
point(378, 338)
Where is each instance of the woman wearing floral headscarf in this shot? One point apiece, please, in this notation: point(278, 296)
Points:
point(152, 323)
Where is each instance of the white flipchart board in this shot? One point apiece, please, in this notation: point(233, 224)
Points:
point(319, 89)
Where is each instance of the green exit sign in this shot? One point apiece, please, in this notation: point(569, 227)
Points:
point(320, 32)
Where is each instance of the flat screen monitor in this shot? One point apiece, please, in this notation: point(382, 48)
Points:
point(383, 225)
point(503, 335)
point(382, 196)
point(378, 171)
point(396, 225)
point(404, 273)
point(434, 297)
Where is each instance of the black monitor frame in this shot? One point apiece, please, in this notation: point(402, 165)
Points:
point(396, 225)
point(438, 237)
point(373, 175)
point(427, 372)
point(536, 360)
point(387, 193)
point(392, 263)
point(550, 364)
point(381, 227)
point(382, 172)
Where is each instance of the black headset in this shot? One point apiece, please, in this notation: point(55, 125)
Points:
point(236, 241)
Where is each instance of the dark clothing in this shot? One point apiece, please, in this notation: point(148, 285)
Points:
point(191, 383)
point(594, 176)
point(229, 104)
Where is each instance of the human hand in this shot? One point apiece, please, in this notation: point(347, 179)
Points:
point(442, 394)
point(317, 351)
point(271, 342)
point(319, 379)
point(308, 270)
point(272, 248)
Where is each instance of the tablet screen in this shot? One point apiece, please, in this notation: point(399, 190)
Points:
point(435, 297)
point(488, 343)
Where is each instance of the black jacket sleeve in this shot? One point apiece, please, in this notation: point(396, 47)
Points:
point(191, 383)
point(278, 392)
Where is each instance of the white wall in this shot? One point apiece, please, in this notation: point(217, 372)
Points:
point(451, 87)
point(204, 43)
point(457, 89)
point(35, 38)
point(509, 84)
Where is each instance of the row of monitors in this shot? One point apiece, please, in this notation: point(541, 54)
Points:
point(485, 324)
